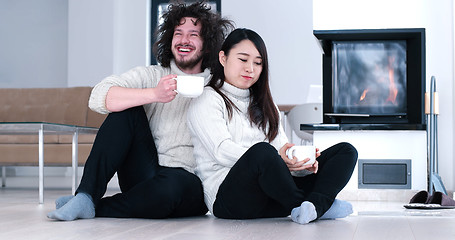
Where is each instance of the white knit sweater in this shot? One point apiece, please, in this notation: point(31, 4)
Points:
point(220, 142)
point(167, 120)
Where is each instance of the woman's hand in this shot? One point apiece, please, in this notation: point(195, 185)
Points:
point(315, 166)
point(294, 165)
point(283, 155)
point(317, 153)
point(299, 166)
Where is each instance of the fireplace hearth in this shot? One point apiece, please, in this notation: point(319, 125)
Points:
point(373, 78)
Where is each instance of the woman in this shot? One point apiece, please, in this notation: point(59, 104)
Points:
point(240, 146)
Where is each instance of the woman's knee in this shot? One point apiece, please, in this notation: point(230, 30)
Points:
point(349, 151)
point(262, 152)
point(349, 148)
point(263, 148)
point(261, 156)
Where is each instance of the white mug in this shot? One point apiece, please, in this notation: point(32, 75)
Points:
point(302, 153)
point(189, 86)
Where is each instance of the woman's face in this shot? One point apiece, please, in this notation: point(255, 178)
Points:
point(243, 65)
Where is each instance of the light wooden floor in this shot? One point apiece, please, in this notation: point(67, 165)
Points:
point(21, 217)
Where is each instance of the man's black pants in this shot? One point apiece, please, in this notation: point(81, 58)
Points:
point(124, 145)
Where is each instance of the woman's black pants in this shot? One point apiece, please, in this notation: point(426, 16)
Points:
point(260, 185)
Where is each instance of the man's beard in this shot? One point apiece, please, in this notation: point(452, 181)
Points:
point(189, 63)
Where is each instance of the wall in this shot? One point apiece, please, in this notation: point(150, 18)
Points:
point(131, 34)
point(33, 43)
point(370, 145)
point(118, 32)
point(437, 18)
point(90, 41)
point(106, 37)
point(111, 36)
point(287, 29)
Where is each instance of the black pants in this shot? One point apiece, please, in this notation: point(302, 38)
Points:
point(260, 185)
point(124, 144)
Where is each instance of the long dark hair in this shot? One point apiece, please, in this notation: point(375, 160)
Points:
point(262, 111)
point(213, 31)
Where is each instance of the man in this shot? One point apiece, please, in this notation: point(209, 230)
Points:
point(144, 139)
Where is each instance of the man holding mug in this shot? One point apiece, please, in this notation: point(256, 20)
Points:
point(144, 139)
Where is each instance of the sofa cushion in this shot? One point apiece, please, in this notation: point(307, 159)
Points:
point(25, 139)
point(53, 105)
point(62, 139)
point(82, 138)
point(54, 154)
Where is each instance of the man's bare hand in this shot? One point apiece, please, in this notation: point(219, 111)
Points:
point(165, 91)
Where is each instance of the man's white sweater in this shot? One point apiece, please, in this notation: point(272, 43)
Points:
point(167, 120)
point(220, 142)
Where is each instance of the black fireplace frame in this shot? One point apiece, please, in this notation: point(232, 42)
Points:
point(415, 54)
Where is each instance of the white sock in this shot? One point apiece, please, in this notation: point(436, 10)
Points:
point(304, 214)
point(61, 201)
point(339, 209)
point(80, 206)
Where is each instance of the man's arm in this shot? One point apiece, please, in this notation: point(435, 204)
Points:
point(121, 98)
point(139, 86)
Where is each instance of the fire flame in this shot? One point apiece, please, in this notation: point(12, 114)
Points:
point(364, 94)
point(393, 91)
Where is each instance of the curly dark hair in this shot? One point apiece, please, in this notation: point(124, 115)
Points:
point(214, 30)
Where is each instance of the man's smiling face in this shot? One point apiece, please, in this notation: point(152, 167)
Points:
point(187, 45)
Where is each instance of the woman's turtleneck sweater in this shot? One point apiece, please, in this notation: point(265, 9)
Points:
point(220, 142)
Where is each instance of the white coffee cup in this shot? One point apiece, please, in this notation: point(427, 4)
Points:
point(190, 86)
point(302, 153)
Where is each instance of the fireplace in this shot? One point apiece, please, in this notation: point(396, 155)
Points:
point(373, 78)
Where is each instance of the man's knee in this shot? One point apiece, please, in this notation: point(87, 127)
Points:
point(134, 111)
